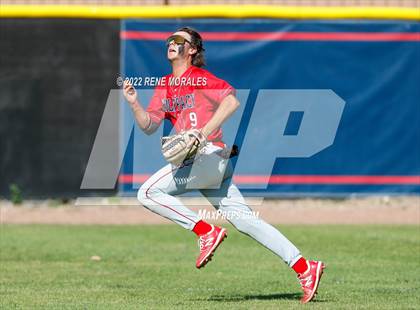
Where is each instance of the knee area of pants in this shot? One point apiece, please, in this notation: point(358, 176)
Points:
point(141, 195)
point(145, 193)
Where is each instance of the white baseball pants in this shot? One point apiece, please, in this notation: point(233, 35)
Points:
point(212, 176)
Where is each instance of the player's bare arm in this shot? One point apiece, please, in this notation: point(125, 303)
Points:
point(226, 108)
point(142, 117)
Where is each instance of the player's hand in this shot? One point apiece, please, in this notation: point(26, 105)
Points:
point(199, 136)
point(129, 92)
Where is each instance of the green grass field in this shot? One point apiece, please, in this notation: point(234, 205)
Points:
point(148, 267)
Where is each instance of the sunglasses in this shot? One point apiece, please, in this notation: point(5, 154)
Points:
point(177, 39)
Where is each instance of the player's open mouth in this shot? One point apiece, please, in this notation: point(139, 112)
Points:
point(171, 50)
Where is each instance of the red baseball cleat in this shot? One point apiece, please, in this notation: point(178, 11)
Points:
point(309, 280)
point(208, 243)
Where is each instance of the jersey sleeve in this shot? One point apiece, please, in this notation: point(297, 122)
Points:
point(155, 110)
point(217, 89)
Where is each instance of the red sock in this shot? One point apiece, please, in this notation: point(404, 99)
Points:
point(300, 266)
point(201, 228)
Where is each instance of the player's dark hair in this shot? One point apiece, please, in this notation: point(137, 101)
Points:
point(196, 42)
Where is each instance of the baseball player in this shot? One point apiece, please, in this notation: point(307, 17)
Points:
point(197, 102)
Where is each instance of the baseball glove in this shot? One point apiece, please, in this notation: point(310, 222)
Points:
point(182, 146)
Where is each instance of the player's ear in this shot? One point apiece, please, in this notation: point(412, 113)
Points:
point(192, 51)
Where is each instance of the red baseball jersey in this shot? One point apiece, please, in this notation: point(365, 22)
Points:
point(189, 101)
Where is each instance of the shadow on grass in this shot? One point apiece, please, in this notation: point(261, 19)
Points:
point(284, 296)
point(291, 296)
